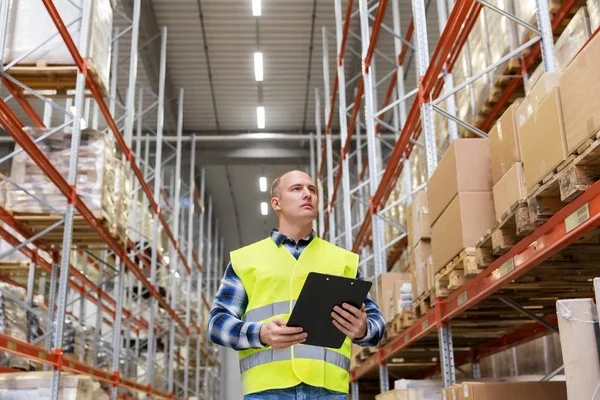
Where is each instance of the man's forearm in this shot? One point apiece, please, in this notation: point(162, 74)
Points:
point(226, 330)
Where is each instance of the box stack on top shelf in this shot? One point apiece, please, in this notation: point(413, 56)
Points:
point(51, 67)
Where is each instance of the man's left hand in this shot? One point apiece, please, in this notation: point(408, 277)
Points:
point(350, 320)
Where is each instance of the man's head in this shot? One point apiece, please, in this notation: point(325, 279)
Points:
point(294, 197)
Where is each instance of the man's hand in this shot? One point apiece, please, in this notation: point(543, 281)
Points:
point(276, 335)
point(350, 320)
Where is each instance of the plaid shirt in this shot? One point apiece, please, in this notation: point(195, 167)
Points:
point(226, 328)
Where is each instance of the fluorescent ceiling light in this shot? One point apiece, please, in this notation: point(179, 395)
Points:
point(260, 117)
point(258, 67)
point(264, 210)
point(263, 184)
point(256, 8)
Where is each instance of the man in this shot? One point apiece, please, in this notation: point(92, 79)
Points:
point(257, 293)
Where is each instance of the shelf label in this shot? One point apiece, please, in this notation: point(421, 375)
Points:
point(42, 355)
point(91, 372)
point(71, 365)
point(505, 269)
point(577, 218)
point(406, 338)
point(11, 345)
point(462, 299)
point(425, 324)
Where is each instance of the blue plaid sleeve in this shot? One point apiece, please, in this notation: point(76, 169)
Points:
point(225, 326)
point(375, 322)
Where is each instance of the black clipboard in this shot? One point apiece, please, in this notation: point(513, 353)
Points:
point(319, 295)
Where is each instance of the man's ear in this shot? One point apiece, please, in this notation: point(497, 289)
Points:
point(275, 204)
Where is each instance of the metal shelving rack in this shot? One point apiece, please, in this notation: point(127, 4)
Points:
point(195, 249)
point(356, 221)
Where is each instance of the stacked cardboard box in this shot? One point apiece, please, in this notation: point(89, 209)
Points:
point(505, 157)
point(389, 292)
point(540, 120)
point(461, 207)
point(510, 390)
point(579, 88)
point(411, 394)
point(419, 235)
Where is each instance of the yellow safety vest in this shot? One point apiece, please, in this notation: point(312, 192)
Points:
point(273, 279)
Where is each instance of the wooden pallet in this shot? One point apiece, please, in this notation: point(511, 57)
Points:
point(456, 272)
point(565, 183)
point(83, 233)
point(57, 77)
point(402, 321)
point(424, 303)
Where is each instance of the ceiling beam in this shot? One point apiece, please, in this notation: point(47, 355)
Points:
point(150, 55)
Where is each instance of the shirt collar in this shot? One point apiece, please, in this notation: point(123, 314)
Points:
point(279, 238)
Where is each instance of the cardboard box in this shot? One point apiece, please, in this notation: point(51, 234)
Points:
point(579, 88)
point(577, 323)
point(539, 91)
point(419, 267)
point(418, 222)
point(510, 189)
point(513, 391)
point(505, 150)
point(411, 394)
point(385, 298)
point(542, 138)
point(464, 168)
point(461, 225)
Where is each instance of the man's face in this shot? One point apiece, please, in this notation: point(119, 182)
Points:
point(297, 198)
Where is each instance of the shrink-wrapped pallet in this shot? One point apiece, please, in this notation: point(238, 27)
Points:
point(30, 24)
point(480, 60)
point(572, 39)
point(13, 322)
point(36, 385)
point(463, 98)
point(593, 7)
point(102, 182)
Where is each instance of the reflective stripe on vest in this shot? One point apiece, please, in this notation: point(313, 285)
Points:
point(268, 311)
point(300, 351)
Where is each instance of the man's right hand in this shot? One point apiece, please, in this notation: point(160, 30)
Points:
point(276, 335)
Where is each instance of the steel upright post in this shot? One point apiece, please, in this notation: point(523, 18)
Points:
point(545, 25)
point(72, 180)
point(157, 186)
point(448, 79)
point(384, 378)
point(312, 169)
point(117, 325)
point(114, 73)
point(446, 355)
point(378, 239)
point(355, 391)
point(399, 68)
point(190, 261)
point(215, 261)
point(199, 282)
point(319, 162)
point(347, 212)
point(209, 259)
point(174, 259)
point(422, 55)
point(328, 141)
point(133, 62)
point(4, 17)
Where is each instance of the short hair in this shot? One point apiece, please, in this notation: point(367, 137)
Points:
point(275, 189)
